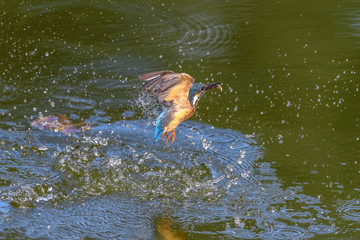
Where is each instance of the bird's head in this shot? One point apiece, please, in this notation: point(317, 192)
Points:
point(198, 89)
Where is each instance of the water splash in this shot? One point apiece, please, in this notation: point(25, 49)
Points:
point(219, 184)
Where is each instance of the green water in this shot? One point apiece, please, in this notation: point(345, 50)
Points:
point(273, 156)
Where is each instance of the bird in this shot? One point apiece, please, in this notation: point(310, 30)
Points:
point(179, 95)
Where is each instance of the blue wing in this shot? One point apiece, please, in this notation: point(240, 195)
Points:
point(159, 129)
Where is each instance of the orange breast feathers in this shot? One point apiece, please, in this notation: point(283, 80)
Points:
point(182, 113)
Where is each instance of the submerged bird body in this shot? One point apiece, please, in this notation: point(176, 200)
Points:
point(178, 94)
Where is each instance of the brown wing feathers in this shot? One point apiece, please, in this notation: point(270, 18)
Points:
point(167, 85)
point(152, 75)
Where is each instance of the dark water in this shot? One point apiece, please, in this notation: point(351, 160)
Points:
point(274, 156)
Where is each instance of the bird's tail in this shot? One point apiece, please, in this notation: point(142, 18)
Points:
point(159, 130)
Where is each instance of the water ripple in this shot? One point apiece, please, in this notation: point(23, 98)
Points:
point(289, 232)
point(204, 35)
point(77, 102)
point(209, 174)
point(350, 209)
point(321, 229)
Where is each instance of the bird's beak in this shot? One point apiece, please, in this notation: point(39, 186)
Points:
point(213, 85)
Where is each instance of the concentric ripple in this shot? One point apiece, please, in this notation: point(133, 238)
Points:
point(289, 232)
point(203, 35)
point(321, 229)
point(95, 214)
point(350, 209)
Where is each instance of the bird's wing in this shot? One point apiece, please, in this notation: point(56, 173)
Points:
point(168, 86)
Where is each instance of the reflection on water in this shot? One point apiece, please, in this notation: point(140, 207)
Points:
point(165, 230)
point(59, 123)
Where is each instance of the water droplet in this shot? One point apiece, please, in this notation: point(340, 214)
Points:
point(206, 143)
point(104, 142)
point(43, 148)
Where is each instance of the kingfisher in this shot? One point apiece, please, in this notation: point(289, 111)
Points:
point(179, 95)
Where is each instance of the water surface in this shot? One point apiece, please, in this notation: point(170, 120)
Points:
point(274, 156)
